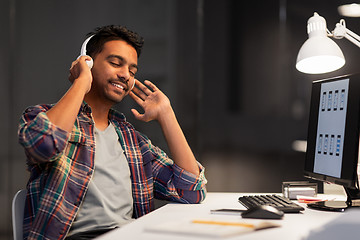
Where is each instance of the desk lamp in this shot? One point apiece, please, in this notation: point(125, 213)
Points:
point(320, 54)
point(350, 10)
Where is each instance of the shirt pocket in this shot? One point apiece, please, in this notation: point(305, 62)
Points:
point(76, 137)
point(79, 146)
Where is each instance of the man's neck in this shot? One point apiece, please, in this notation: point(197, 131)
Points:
point(101, 119)
point(100, 114)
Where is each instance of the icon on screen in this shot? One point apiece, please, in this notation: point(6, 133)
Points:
point(320, 143)
point(326, 142)
point(331, 146)
point(338, 144)
point(342, 99)
point(336, 99)
point(329, 101)
point(323, 101)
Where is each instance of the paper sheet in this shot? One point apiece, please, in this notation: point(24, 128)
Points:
point(209, 228)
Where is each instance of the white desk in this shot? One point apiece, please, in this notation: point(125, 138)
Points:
point(293, 226)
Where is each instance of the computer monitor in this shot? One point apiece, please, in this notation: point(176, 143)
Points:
point(333, 137)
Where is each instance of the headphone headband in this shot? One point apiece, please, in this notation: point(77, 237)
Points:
point(90, 63)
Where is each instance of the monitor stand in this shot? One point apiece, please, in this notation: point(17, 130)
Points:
point(353, 200)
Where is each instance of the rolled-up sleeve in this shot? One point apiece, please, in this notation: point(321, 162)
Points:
point(172, 182)
point(42, 140)
point(187, 180)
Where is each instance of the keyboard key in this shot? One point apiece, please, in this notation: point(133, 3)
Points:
point(277, 201)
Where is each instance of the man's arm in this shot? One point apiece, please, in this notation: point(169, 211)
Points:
point(157, 107)
point(64, 113)
point(43, 130)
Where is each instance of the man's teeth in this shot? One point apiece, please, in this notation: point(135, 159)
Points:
point(117, 85)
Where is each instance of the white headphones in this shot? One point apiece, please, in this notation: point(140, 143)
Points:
point(90, 63)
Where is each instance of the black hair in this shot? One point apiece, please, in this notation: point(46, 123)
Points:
point(104, 34)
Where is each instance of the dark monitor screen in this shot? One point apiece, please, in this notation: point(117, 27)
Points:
point(333, 131)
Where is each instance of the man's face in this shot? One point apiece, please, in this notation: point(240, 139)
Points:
point(114, 71)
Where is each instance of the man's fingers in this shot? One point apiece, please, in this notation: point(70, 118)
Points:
point(144, 88)
point(140, 94)
point(135, 97)
point(136, 114)
point(151, 85)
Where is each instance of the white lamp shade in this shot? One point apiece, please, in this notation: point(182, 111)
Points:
point(319, 54)
point(350, 10)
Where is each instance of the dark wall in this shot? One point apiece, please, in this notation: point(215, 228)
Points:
point(249, 103)
point(227, 66)
point(39, 41)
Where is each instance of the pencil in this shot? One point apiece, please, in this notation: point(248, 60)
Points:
point(224, 223)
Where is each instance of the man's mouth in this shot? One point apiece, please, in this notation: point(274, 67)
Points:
point(117, 85)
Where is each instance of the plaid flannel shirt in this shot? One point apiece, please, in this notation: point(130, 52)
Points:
point(61, 165)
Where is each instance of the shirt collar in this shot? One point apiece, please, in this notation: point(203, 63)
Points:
point(113, 114)
point(85, 108)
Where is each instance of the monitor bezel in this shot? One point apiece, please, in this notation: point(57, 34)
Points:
point(348, 176)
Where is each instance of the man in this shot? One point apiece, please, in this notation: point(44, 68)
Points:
point(91, 171)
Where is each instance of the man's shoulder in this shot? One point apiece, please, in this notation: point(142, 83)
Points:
point(121, 123)
point(38, 108)
point(119, 120)
point(116, 115)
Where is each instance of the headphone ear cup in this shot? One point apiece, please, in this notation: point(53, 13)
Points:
point(90, 63)
point(133, 85)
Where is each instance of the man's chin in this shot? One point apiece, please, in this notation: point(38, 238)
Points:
point(117, 99)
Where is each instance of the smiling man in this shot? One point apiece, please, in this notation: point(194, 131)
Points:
point(90, 170)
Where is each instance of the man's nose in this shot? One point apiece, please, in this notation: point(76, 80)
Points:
point(124, 74)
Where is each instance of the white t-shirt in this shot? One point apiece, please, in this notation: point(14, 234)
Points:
point(108, 202)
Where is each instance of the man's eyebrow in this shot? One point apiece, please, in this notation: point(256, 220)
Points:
point(122, 59)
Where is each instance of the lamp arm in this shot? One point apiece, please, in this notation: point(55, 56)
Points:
point(341, 31)
point(352, 37)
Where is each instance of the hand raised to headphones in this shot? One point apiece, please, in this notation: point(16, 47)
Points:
point(80, 71)
point(154, 102)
